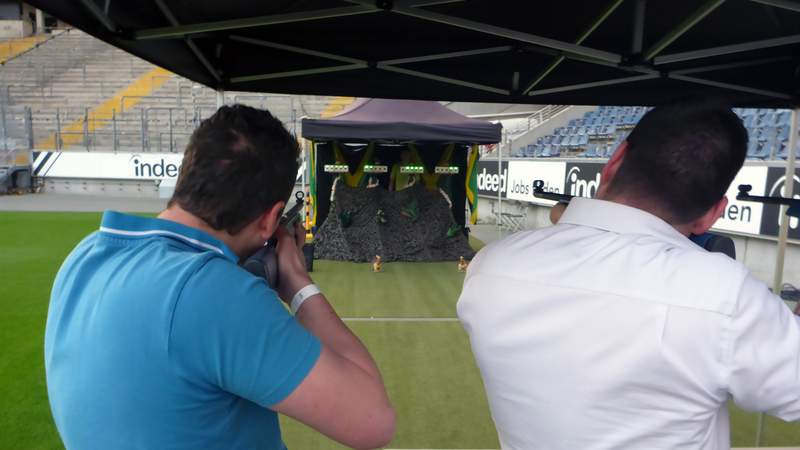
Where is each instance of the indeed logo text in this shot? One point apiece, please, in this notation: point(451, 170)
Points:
point(160, 169)
point(492, 181)
point(579, 187)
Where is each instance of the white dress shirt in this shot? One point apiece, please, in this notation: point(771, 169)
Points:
point(611, 330)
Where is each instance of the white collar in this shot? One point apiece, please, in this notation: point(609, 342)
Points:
point(621, 219)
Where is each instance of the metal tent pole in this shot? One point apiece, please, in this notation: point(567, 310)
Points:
point(783, 234)
point(220, 98)
point(304, 162)
point(499, 186)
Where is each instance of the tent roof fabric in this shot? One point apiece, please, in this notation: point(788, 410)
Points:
point(581, 52)
point(401, 120)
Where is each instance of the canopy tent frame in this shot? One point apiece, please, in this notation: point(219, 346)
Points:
point(566, 50)
point(189, 42)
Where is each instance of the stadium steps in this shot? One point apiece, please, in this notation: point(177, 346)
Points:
point(73, 75)
point(11, 48)
point(62, 78)
point(336, 105)
point(100, 115)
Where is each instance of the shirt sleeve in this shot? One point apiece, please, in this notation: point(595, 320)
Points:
point(230, 330)
point(765, 353)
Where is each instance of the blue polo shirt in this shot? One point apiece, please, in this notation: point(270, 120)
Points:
point(157, 339)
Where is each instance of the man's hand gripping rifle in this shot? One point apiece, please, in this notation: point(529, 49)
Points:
point(264, 262)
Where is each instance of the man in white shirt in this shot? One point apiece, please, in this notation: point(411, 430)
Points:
point(611, 329)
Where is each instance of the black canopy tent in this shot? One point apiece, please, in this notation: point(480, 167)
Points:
point(426, 128)
point(623, 52)
point(401, 120)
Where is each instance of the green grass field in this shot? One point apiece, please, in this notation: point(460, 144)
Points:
point(427, 365)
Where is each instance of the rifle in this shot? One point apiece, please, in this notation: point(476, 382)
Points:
point(794, 203)
point(539, 192)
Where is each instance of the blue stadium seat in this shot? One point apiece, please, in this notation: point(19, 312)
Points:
point(538, 150)
point(753, 147)
point(555, 151)
point(545, 151)
point(765, 132)
point(530, 150)
point(783, 152)
point(783, 132)
point(770, 145)
point(583, 140)
point(591, 151)
point(784, 117)
point(768, 119)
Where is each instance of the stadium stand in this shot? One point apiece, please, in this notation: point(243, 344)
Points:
point(74, 92)
point(598, 133)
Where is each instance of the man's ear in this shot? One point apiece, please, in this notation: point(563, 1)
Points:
point(707, 220)
point(268, 222)
point(609, 171)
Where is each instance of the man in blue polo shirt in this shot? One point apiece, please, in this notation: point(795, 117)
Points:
point(156, 338)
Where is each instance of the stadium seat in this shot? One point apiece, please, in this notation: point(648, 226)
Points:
point(768, 148)
point(530, 150)
point(753, 147)
point(538, 151)
point(783, 132)
point(783, 152)
point(546, 151)
point(591, 151)
point(768, 119)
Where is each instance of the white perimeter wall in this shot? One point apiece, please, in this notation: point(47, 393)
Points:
point(757, 253)
point(11, 29)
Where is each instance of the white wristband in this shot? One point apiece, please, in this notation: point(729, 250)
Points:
point(303, 295)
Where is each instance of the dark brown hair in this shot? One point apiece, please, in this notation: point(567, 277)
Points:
point(682, 157)
point(239, 163)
